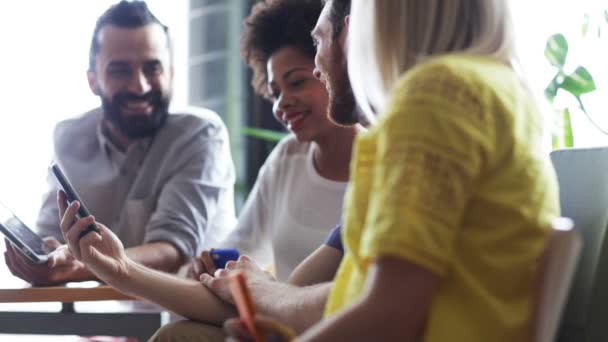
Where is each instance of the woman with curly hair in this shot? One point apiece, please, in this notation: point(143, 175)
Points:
point(298, 194)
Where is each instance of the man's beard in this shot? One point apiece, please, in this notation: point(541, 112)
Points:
point(342, 106)
point(137, 126)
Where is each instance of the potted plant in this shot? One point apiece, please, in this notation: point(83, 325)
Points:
point(576, 83)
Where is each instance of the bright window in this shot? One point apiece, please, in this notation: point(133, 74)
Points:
point(43, 80)
point(535, 21)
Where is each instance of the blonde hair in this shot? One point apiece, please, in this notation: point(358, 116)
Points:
point(388, 37)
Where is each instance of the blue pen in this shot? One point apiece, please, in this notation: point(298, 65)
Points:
point(221, 256)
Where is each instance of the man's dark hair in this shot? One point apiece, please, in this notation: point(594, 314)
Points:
point(337, 13)
point(125, 14)
point(274, 24)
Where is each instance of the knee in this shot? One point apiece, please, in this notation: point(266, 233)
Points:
point(185, 331)
point(172, 332)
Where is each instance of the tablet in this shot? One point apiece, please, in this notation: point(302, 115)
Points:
point(22, 237)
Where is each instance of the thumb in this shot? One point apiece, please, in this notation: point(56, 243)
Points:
point(60, 256)
point(51, 243)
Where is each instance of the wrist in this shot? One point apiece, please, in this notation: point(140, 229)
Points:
point(82, 273)
point(118, 274)
point(126, 270)
point(262, 291)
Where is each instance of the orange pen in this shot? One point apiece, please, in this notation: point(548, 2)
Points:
point(244, 303)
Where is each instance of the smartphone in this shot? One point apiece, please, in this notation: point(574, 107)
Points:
point(22, 237)
point(221, 256)
point(244, 303)
point(72, 196)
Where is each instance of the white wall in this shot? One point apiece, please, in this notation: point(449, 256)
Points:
point(43, 62)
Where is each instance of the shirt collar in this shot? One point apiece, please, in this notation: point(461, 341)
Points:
point(112, 151)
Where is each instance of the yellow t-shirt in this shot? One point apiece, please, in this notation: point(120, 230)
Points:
point(453, 178)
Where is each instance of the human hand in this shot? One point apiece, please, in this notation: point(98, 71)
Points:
point(254, 275)
point(272, 330)
point(203, 264)
point(60, 268)
point(103, 253)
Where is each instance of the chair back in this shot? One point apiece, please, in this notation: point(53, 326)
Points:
point(556, 271)
point(583, 191)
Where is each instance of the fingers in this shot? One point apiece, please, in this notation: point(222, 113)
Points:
point(60, 256)
point(22, 267)
point(231, 265)
point(51, 243)
point(197, 267)
point(274, 330)
point(69, 217)
point(244, 262)
point(219, 286)
point(207, 262)
point(9, 258)
point(245, 258)
point(236, 330)
point(87, 244)
point(221, 273)
point(62, 203)
point(208, 281)
point(194, 269)
point(73, 234)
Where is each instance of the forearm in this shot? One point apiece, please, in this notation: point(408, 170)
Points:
point(364, 321)
point(299, 307)
point(185, 297)
point(161, 256)
point(317, 268)
point(393, 307)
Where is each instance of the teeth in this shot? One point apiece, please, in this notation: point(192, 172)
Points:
point(294, 119)
point(138, 106)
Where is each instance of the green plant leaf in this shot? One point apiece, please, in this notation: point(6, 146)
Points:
point(552, 88)
point(556, 50)
point(568, 137)
point(263, 134)
point(562, 129)
point(579, 82)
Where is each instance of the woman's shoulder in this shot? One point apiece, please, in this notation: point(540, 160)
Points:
point(440, 74)
point(463, 80)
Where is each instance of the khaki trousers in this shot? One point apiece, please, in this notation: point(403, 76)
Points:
point(186, 331)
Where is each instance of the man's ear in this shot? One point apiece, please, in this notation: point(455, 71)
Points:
point(93, 84)
point(344, 33)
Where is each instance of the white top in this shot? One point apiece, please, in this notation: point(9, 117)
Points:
point(289, 211)
point(175, 187)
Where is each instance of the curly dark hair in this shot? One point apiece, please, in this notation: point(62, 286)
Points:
point(274, 24)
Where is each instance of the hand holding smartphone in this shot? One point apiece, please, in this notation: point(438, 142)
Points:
point(72, 196)
point(22, 237)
